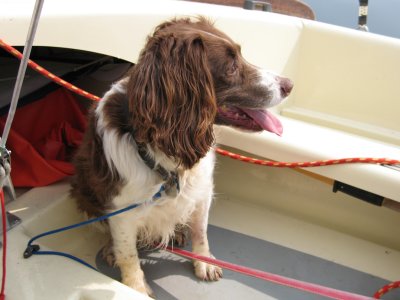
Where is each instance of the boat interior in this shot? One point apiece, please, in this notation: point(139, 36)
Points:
point(280, 220)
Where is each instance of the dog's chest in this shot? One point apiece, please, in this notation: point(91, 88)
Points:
point(195, 186)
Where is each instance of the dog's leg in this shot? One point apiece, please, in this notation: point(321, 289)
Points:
point(198, 226)
point(107, 253)
point(124, 235)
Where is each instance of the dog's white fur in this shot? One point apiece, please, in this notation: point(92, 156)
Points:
point(154, 219)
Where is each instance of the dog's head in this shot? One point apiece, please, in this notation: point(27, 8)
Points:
point(188, 77)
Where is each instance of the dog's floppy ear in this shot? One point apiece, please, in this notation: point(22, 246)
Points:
point(172, 99)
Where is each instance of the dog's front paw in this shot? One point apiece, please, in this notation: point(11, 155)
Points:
point(206, 271)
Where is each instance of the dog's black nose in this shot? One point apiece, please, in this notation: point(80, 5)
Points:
point(286, 86)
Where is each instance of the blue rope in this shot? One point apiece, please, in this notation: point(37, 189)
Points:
point(90, 221)
point(33, 249)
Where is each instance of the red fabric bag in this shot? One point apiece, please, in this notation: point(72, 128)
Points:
point(43, 137)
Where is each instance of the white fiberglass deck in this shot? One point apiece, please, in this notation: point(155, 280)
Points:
point(275, 220)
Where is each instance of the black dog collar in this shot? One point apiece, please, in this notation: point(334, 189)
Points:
point(171, 179)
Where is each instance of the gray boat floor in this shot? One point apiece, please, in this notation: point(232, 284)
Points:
point(171, 277)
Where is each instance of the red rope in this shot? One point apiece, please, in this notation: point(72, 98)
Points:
point(48, 74)
point(309, 164)
point(281, 280)
point(387, 288)
point(251, 272)
point(4, 224)
point(268, 163)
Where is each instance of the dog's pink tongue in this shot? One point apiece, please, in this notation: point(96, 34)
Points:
point(266, 120)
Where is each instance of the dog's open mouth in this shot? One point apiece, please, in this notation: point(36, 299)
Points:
point(250, 119)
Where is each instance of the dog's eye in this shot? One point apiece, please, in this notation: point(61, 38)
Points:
point(232, 68)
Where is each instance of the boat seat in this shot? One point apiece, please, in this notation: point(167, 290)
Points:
point(302, 142)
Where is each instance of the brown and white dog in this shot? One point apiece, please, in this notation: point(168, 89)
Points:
point(154, 128)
